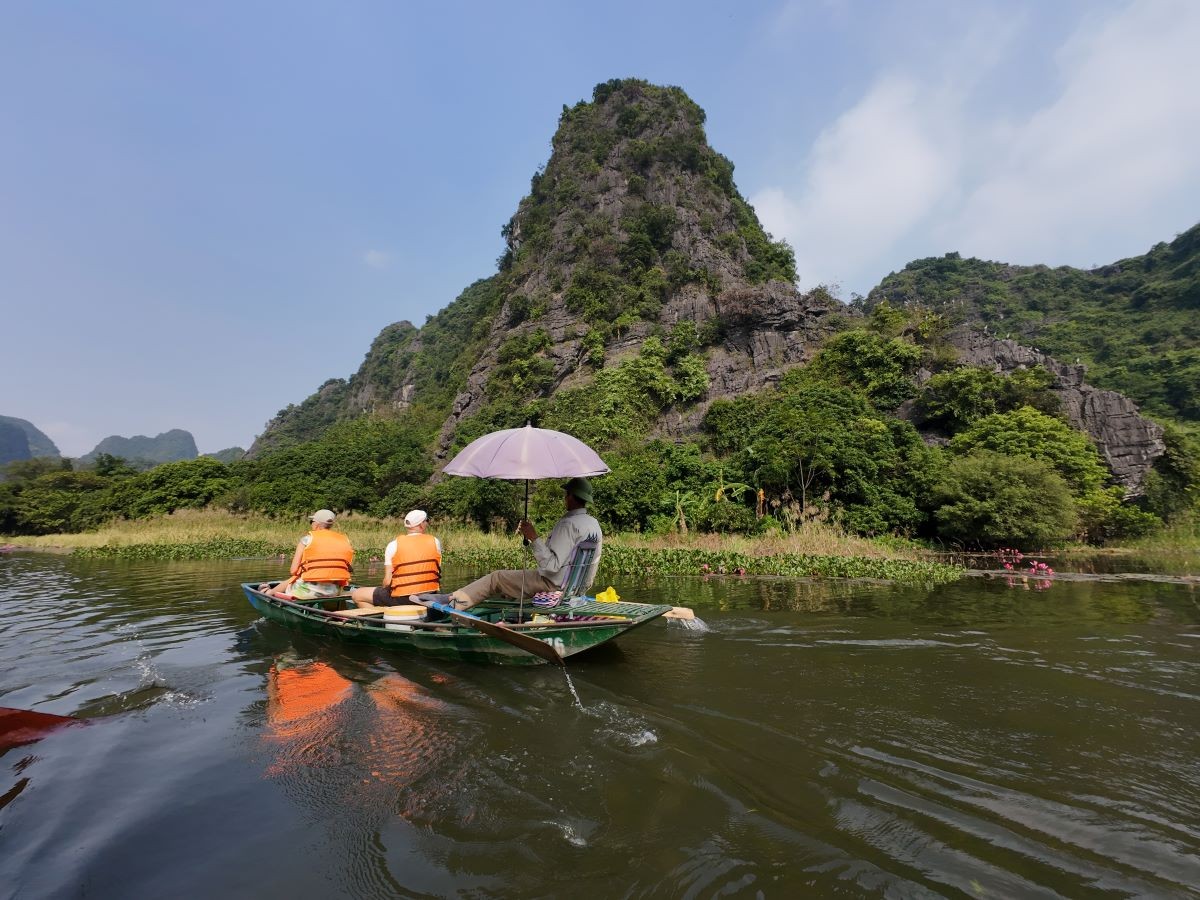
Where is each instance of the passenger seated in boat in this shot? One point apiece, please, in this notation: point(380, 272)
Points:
point(322, 564)
point(412, 564)
point(552, 553)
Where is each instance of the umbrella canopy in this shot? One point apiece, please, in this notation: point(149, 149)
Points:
point(525, 453)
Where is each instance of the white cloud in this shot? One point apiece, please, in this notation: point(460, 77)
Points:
point(1096, 166)
point(872, 176)
point(923, 161)
point(377, 259)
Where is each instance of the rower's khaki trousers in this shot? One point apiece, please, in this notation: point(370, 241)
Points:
point(514, 583)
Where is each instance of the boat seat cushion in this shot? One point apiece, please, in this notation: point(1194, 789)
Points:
point(363, 611)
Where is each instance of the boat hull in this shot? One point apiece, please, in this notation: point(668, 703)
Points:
point(453, 641)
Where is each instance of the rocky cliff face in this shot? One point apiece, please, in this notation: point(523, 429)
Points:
point(14, 445)
point(1129, 443)
point(36, 443)
point(633, 228)
point(766, 329)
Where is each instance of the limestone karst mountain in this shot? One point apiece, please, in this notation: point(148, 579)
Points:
point(170, 446)
point(634, 242)
point(20, 439)
point(633, 227)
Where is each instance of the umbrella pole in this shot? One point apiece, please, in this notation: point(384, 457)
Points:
point(525, 542)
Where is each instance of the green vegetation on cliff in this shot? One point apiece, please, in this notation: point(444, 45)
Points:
point(434, 359)
point(641, 307)
point(637, 143)
point(1135, 323)
point(170, 446)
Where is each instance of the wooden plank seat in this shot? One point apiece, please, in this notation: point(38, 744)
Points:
point(363, 611)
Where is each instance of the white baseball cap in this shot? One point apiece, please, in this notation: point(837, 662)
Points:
point(415, 518)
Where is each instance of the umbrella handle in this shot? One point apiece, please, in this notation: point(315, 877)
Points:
point(525, 542)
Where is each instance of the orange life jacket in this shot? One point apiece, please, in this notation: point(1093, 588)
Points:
point(327, 558)
point(416, 565)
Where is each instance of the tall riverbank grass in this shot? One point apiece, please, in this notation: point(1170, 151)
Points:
point(217, 534)
point(1182, 537)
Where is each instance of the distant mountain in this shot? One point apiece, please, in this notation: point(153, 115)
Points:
point(13, 444)
point(170, 446)
point(35, 442)
point(228, 455)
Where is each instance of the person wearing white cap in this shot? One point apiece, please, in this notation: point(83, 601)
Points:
point(412, 564)
point(322, 564)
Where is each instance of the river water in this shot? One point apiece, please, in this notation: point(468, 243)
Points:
point(982, 739)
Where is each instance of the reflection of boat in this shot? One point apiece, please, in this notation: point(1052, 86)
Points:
point(299, 692)
point(569, 630)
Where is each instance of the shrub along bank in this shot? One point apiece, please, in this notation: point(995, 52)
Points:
point(822, 447)
point(815, 551)
point(617, 560)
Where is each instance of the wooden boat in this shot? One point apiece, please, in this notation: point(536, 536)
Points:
point(569, 629)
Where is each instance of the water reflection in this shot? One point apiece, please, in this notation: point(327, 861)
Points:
point(302, 712)
point(1088, 561)
point(822, 738)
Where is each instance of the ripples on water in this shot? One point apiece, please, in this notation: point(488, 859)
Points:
point(817, 739)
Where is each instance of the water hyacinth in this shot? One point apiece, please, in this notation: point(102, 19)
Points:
point(618, 560)
point(219, 548)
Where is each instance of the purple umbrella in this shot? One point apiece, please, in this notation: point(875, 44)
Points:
point(525, 453)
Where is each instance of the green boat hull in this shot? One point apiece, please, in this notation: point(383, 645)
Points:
point(449, 640)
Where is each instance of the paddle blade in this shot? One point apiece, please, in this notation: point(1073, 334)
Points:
point(679, 612)
point(24, 726)
point(500, 632)
point(525, 642)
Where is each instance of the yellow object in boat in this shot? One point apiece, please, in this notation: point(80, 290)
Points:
point(608, 596)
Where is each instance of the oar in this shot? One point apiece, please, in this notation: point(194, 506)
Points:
point(493, 629)
point(24, 726)
point(679, 612)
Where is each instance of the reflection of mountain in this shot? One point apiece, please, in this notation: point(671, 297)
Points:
point(22, 440)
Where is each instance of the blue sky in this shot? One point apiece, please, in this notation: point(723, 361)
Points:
point(209, 209)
